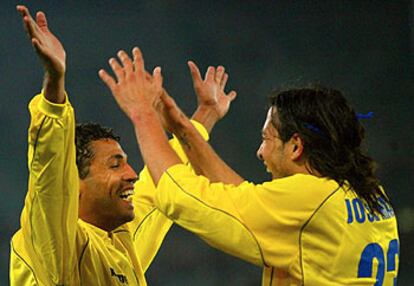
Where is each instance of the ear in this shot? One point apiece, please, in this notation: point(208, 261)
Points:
point(296, 147)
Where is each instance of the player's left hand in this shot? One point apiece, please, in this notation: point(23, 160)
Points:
point(134, 90)
point(211, 91)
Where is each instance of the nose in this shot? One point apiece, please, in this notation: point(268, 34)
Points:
point(130, 174)
point(259, 153)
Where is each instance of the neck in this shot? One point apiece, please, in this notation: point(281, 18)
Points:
point(99, 222)
point(303, 167)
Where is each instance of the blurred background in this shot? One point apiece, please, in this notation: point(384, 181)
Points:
point(364, 48)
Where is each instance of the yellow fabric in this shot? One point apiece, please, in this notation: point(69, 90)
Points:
point(150, 225)
point(299, 228)
point(53, 246)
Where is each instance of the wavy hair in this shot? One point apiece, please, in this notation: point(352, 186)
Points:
point(332, 136)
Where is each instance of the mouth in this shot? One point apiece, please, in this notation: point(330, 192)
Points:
point(127, 195)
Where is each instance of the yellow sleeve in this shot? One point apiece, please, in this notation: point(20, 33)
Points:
point(208, 210)
point(50, 213)
point(260, 223)
point(150, 225)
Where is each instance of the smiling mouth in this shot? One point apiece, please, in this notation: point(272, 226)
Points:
point(127, 195)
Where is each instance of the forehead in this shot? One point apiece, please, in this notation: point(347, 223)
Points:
point(106, 148)
point(268, 127)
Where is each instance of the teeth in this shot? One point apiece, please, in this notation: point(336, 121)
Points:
point(126, 194)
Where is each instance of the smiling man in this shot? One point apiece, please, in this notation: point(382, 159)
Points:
point(87, 218)
point(106, 182)
point(323, 219)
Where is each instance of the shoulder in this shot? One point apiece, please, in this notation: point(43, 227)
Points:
point(301, 183)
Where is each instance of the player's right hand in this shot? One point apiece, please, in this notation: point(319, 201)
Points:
point(134, 90)
point(47, 46)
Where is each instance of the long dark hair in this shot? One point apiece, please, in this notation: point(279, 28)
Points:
point(332, 136)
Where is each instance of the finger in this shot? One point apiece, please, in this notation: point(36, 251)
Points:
point(232, 95)
point(29, 24)
point(107, 79)
point(37, 46)
point(195, 72)
point(25, 13)
point(138, 63)
point(41, 21)
point(219, 74)
point(116, 67)
point(167, 100)
point(126, 62)
point(23, 10)
point(157, 77)
point(210, 74)
point(224, 81)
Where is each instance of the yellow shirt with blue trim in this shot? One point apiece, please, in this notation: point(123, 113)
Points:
point(302, 229)
point(53, 246)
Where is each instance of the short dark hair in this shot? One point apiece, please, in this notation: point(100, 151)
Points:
point(332, 136)
point(85, 134)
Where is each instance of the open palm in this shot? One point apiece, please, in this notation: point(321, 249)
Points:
point(211, 91)
point(47, 46)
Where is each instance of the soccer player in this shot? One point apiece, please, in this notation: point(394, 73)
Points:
point(84, 221)
point(323, 219)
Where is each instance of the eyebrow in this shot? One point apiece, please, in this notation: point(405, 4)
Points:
point(118, 157)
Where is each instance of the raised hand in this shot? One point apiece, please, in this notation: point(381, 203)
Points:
point(47, 46)
point(170, 115)
point(211, 96)
point(134, 89)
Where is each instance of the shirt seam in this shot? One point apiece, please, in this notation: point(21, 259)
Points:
point(81, 259)
point(271, 276)
point(305, 225)
point(142, 222)
point(31, 167)
point(24, 261)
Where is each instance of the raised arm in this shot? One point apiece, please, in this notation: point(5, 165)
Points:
point(136, 95)
point(49, 217)
point(50, 52)
point(150, 222)
point(213, 104)
point(213, 101)
point(201, 155)
point(223, 229)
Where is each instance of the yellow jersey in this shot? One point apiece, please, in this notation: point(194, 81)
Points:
point(53, 246)
point(302, 229)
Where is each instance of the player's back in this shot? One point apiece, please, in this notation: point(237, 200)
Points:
point(314, 232)
point(344, 244)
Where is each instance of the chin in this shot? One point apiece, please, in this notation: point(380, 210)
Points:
point(132, 217)
point(129, 217)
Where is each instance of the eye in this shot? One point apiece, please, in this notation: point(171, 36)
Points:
point(114, 166)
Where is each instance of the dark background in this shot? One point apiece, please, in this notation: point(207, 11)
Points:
point(364, 48)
